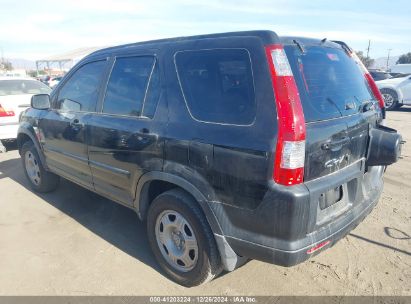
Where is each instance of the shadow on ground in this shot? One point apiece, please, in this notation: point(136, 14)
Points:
point(403, 109)
point(114, 223)
point(10, 145)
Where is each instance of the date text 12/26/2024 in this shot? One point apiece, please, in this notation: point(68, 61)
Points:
point(203, 299)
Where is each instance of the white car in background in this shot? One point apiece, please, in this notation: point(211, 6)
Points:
point(54, 81)
point(396, 91)
point(15, 97)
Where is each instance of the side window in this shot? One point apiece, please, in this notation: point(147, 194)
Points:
point(218, 85)
point(127, 85)
point(153, 94)
point(80, 92)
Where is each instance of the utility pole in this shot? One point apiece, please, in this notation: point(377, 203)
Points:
point(368, 48)
point(388, 58)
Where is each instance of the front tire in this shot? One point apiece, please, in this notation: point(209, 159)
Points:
point(40, 179)
point(390, 99)
point(181, 239)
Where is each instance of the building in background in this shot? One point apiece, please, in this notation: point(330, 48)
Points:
point(59, 64)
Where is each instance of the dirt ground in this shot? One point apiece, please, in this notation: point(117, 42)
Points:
point(74, 242)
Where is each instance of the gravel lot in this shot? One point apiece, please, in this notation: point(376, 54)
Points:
point(74, 242)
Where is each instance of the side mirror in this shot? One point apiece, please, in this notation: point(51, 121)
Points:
point(40, 101)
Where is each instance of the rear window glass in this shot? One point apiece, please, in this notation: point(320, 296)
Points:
point(153, 94)
point(218, 85)
point(330, 82)
point(16, 87)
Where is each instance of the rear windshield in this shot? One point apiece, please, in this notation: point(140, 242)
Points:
point(17, 87)
point(330, 82)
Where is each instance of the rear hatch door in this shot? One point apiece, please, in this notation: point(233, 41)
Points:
point(339, 107)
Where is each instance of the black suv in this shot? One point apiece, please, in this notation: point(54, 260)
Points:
point(230, 146)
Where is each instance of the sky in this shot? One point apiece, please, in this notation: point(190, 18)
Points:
point(36, 29)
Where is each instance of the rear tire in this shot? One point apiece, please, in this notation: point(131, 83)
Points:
point(390, 99)
point(176, 225)
point(39, 178)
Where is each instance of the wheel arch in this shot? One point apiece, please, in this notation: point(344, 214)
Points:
point(168, 181)
point(154, 183)
point(26, 133)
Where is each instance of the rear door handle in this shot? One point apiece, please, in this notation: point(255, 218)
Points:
point(335, 144)
point(76, 123)
point(145, 131)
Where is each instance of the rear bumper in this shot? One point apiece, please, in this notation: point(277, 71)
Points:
point(332, 233)
point(289, 220)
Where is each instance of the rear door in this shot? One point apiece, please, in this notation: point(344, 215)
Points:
point(124, 140)
point(339, 107)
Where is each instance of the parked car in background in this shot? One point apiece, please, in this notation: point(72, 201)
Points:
point(199, 137)
point(404, 68)
point(398, 75)
point(54, 81)
point(15, 95)
point(44, 79)
point(395, 91)
point(380, 75)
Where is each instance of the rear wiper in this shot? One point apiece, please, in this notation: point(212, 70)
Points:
point(344, 46)
point(334, 104)
point(300, 46)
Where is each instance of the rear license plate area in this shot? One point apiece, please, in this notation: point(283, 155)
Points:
point(330, 197)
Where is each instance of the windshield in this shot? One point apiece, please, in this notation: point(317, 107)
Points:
point(17, 87)
point(330, 82)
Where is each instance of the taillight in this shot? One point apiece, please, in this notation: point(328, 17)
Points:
point(371, 83)
point(4, 113)
point(290, 151)
point(376, 92)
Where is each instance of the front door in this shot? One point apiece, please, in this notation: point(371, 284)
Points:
point(63, 128)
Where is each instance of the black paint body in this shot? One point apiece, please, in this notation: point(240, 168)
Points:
point(227, 168)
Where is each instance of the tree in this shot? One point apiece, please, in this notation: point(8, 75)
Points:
point(6, 65)
point(32, 73)
point(367, 61)
point(405, 58)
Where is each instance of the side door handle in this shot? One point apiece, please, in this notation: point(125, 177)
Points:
point(76, 123)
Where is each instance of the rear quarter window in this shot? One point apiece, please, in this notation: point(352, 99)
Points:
point(217, 85)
